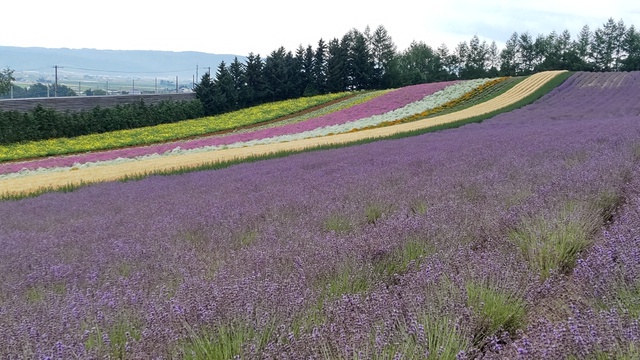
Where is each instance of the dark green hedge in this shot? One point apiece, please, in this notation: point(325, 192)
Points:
point(45, 123)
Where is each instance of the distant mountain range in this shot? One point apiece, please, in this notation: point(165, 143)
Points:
point(116, 63)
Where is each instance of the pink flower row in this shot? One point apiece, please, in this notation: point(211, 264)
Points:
point(379, 105)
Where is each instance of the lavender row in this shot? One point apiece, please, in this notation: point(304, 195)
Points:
point(300, 254)
point(602, 317)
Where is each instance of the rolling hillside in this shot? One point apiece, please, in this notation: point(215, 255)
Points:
point(113, 62)
point(494, 219)
point(353, 123)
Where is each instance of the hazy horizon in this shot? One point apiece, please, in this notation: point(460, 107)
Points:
point(262, 27)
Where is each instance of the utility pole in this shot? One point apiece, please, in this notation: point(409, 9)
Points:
point(55, 87)
point(176, 84)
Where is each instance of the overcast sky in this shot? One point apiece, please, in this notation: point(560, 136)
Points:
point(258, 26)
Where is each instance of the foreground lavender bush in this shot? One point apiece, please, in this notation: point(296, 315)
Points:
point(393, 248)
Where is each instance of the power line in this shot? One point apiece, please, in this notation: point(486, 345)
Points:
point(109, 71)
point(129, 72)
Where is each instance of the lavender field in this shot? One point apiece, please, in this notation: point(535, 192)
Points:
point(514, 238)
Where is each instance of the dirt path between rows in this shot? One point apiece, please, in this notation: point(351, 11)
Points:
point(33, 183)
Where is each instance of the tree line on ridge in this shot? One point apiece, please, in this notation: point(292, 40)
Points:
point(363, 60)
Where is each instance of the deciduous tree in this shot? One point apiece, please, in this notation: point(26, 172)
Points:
point(631, 46)
point(417, 64)
point(509, 57)
point(6, 77)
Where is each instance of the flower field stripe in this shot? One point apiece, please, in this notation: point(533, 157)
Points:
point(416, 109)
point(439, 107)
point(387, 101)
point(377, 104)
point(71, 160)
point(167, 132)
point(32, 184)
point(163, 132)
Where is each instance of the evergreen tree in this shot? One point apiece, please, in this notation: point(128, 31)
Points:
point(393, 74)
point(309, 84)
point(238, 76)
point(276, 75)
point(571, 59)
point(294, 85)
point(337, 65)
point(204, 93)
point(360, 63)
point(255, 90)
point(383, 51)
point(224, 95)
point(320, 67)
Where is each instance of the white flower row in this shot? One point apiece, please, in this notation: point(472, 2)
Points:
point(432, 101)
point(429, 102)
